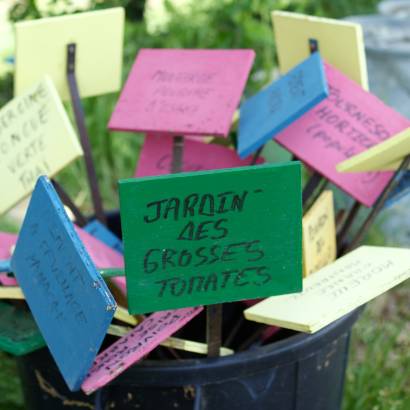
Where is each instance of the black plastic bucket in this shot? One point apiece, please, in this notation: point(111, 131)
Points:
point(301, 372)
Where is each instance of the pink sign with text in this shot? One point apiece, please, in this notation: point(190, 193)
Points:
point(103, 256)
point(183, 92)
point(349, 121)
point(156, 156)
point(134, 346)
point(7, 241)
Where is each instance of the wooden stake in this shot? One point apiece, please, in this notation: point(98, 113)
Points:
point(11, 292)
point(311, 186)
point(177, 154)
point(122, 315)
point(256, 155)
point(344, 230)
point(214, 329)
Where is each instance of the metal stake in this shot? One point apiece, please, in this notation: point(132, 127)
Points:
point(377, 207)
point(82, 130)
point(177, 154)
point(344, 230)
point(80, 219)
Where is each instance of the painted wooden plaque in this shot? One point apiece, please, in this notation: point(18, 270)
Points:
point(19, 333)
point(319, 234)
point(156, 156)
point(66, 294)
point(386, 155)
point(336, 289)
point(41, 49)
point(340, 43)
point(349, 121)
point(11, 292)
point(139, 342)
point(183, 92)
point(211, 236)
point(275, 107)
point(105, 250)
point(101, 254)
point(36, 138)
point(99, 231)
point(7, 242)
point(7, 279)
point(174, 342)
point(392, 166)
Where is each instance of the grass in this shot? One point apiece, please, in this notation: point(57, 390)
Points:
point(378, 376)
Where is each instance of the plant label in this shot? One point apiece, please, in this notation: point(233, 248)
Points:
point(275, 107)
point(156, 157)
point(340, 43)
point(386, 155)
point(66, 294)
point(336, 289)
point(134, 346)
point(319, 234)
point(19, 334)
point(211, 236)
point(41, 48)
point(36, 138)
point(183, 92)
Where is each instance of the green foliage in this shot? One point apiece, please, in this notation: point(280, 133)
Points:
point(6, 89)
point(24, 10)
point(28, 9)
point(378, 376)
point(11, 397)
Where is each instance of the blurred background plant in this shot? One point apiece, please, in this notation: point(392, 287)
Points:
point(376, 380)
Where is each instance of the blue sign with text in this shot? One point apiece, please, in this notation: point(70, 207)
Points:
point(99, 231)
point(66, 294)
point(275, 107)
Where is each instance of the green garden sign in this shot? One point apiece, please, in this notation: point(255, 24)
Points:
point(209, 237)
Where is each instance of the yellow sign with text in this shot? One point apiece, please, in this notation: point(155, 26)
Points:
point(36, 138)
point(340, 43)
point(385, 156)
point(336, 289)
point(319, 234)
point(41, 48)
